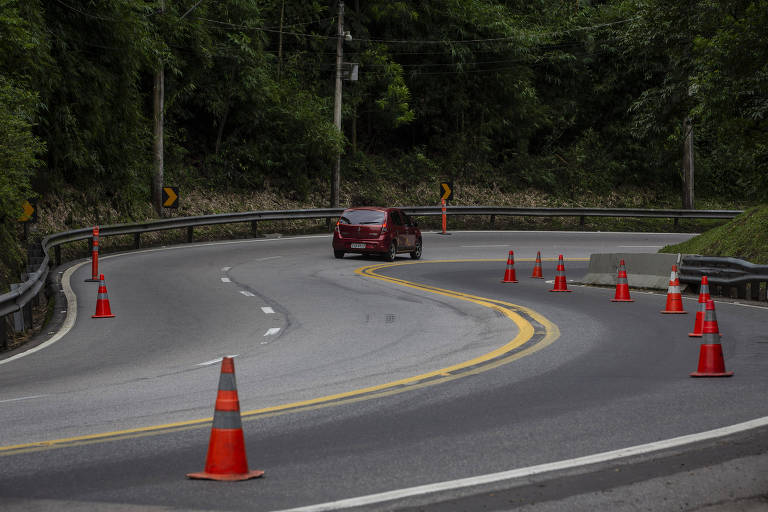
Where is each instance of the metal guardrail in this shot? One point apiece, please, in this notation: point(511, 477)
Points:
point(729, 274)
point(23, 293)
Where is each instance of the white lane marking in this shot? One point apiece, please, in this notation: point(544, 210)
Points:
point(69, 321)
point(642, 246)
point(214, 361)
point(272, 331)
point(740, 304)
point(268, 258)
point(21, 398)
point(421, 490)
point(268, 310)
point(226, 280)
point(247, 294)
point(226, 269)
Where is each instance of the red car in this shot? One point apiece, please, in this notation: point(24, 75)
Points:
point(371, 230)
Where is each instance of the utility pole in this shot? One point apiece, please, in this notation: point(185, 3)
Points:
point(157, 135)
point(688, 164)
point(336, 175)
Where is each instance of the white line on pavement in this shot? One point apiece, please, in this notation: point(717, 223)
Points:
point(214, 361)
point(21, 398)
point(376, 499)
point(268, 310)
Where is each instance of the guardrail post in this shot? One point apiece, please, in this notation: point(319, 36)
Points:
point(137, 240)
point(676, 222)
point(3, 334)
point(57, 255)
point(763, 292)
point(493, 221)
point(18, 316)
point(581, 222)
point(741, 291)
point(255, 228)
point(190, 234)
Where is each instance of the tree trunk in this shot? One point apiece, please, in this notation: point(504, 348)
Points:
point(220, 132)
point(688, 165)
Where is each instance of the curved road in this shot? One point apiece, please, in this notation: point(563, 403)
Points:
point(356, 382)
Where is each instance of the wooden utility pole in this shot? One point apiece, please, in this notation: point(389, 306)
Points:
point(336, 175)
point(688, 165)
point(157, 134)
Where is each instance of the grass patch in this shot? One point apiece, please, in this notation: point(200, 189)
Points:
point(744, 237)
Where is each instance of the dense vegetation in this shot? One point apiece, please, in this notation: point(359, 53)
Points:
point(743, 238)
point(563, 96)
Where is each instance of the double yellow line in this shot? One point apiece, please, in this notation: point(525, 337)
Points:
point(534, 333)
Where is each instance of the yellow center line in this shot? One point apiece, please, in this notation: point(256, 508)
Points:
point(507, 353)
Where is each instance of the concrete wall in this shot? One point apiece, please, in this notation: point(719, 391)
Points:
point(643, 270)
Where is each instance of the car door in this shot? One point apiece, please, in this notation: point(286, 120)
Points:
point(410, 230)
point(398, 228)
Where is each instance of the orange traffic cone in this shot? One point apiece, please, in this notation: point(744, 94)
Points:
point(674, 298)
point(510, 276)
point(226, 449)
point(560, 283)
point(622, 286)
point(537, 273)
point(102, 301)
point(698, 326)
point(711, 363)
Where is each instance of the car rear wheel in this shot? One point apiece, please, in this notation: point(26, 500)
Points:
point(338, 254)
point(391, 252)
point(416, 253)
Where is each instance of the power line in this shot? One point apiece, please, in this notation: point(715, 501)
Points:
point(421, 41)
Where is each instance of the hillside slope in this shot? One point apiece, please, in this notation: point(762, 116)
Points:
point(745, 237)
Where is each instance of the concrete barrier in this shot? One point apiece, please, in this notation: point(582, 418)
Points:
point(643, 270)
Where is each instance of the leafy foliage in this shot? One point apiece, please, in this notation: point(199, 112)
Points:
point(564, 96)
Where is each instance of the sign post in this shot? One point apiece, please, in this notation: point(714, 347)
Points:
point(446, 194)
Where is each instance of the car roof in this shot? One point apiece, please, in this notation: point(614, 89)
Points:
point(375, 208)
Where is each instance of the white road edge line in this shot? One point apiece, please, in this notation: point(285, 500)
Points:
point(272, 331)
point(374, 499)
point(246, 293)
point(267, 310)
point(69, 321)
point(226, 280)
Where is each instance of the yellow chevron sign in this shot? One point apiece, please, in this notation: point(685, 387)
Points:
point(29, 212)
point(171, 197)
point(446, 189)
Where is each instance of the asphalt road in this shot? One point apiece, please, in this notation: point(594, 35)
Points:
point(352, 385)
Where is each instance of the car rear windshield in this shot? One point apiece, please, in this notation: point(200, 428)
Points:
point(358, 217)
